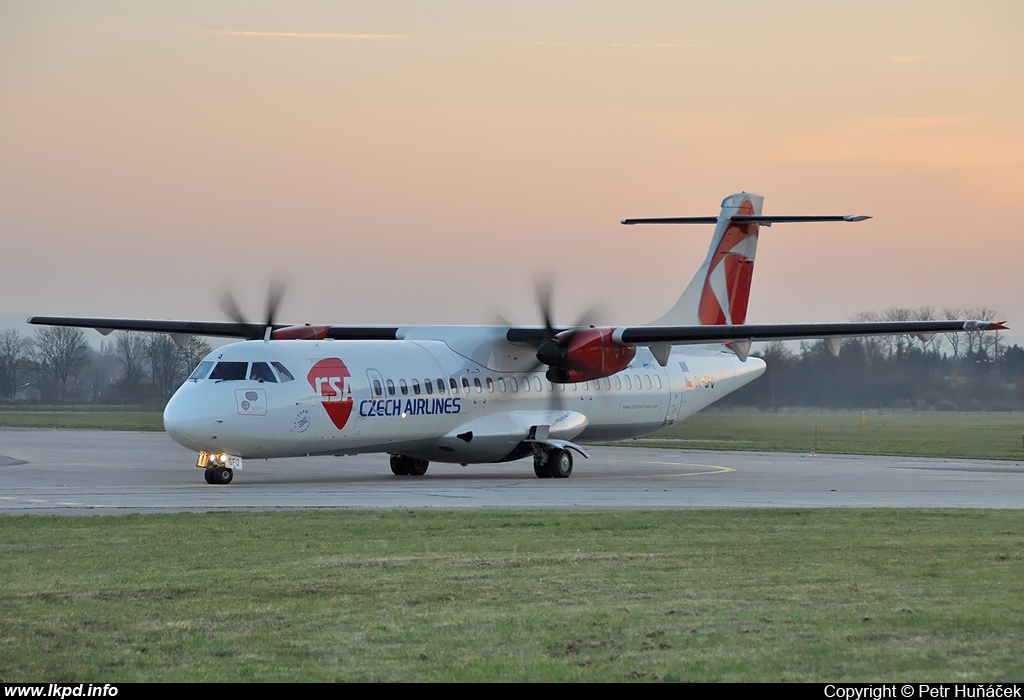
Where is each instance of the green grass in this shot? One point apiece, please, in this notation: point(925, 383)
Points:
point(955, 435)
point(87, 419)
point(766, 595)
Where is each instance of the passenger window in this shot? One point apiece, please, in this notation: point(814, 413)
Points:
point(607, 384)
point(453, 384)
point(625, 379)
point(647, 381)
point(636, 381)
point(657, 381)
point(391, 388)
point(201, 371)
point(403, 386)
point(285, 375)
point(428, 386)
point(465, 385)
point(378, 390)
point(479, 387)
point(501, 384)
point(440, 386)
point(261, 372)
point(415, 387)
point(490, 385)
point(536, 384)
point(230, 371)
point(618, 382)
point(526, 383)
point(514, 383)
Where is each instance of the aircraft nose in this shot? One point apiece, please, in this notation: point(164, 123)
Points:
point(187, 423)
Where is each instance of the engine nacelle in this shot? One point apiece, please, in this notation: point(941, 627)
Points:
point(582, 355)
point(300, 333)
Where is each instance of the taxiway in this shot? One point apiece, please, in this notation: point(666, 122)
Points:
point(104, 472)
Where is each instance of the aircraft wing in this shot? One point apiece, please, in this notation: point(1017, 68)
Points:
point(692, 335)
point(532, 335)
point(214, 329)
point(660, 339)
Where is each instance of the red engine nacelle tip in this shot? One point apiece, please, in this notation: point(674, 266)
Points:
point(300, 333)
point(592, 354)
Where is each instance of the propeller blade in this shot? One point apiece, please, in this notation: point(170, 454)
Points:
point(231, 309)
point(275, 294)
point(543, 288)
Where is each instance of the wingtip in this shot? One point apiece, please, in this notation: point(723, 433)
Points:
point(986, 326)
point(855, 218)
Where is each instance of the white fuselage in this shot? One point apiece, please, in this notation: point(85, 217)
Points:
point(468, 397)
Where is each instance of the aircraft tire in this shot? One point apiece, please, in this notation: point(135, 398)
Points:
point(418, 467)
point(560, 464)
point(209, 475)
point(400, 465)
point(222, 475)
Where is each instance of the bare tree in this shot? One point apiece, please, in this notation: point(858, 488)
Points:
point(62, 353)
point(14, 350)
point(954, 339)
point(166, 367)
point(192, 352)
point(898, 343)
point(979, 342)
point(103, 370)
point(131, 350)
point(929, 343)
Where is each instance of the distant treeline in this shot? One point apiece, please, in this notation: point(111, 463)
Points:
point(55, 364)
point(955, 371)
point(962, 371)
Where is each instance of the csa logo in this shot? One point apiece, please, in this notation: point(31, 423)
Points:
point(330, 380)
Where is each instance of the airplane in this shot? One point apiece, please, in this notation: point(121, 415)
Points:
point(484, 394)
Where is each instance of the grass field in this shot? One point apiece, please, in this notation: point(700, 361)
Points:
point(970, 435)
point(84, 419)
point(728, 595)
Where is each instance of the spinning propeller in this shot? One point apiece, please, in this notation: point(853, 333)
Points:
point(554, 350)
point(255, 331)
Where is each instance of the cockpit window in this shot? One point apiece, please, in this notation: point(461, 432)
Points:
point(201, 371)
point(286, 376)
point(261, 372)
point(230, 371)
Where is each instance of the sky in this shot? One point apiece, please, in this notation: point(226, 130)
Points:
point(426, 162)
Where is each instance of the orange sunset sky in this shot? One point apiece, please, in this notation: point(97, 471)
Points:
point(424, 162)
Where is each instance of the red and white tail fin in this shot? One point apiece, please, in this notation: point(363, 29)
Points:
point(719, 291)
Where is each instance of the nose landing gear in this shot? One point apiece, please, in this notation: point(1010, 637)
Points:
point(216, 467)
point(218, 475)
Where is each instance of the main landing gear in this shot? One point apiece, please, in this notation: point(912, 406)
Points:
point(553, 464)
point(408, 466)
point(218, 475)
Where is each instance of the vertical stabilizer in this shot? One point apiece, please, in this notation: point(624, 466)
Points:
point(719, 291)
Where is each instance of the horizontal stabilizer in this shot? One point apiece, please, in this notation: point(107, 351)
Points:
point(743, 219)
